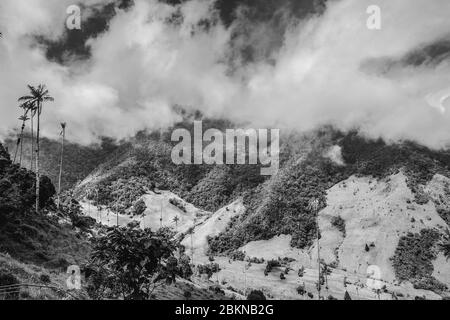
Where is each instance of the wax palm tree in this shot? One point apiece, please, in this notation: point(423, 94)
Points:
point(24, 118)
point(38, 95)
point(191, 233)
point(19, 143)
point(313, 206)
point(32, 109)
point(17, 149)
point(176, 219)
point(63, 135)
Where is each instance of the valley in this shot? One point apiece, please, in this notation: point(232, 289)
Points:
point(375, 213)
point(382, 219)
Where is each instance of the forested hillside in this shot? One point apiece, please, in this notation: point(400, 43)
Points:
point(27, 236)
point(78, 160)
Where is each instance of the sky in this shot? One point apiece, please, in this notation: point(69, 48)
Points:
point(283, 64)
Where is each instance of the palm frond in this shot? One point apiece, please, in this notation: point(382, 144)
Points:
point(25, 98)
point(23, 118)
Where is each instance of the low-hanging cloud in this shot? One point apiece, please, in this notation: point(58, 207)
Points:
point(142, 66)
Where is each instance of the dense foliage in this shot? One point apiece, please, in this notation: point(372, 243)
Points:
point(280, 206)
point(150, 165)
point(413, 259)
point(40, 239)
point(129, 263)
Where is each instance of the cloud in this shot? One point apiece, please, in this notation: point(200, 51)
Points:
point(318, 74)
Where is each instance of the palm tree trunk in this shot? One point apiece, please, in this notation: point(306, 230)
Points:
point(318, 254)
point(32, 142)
point(21, 143)
point(192, 247)
point(60, 166)
point(37, 157)
point(17, 149)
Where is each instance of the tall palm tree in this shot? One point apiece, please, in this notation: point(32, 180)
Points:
point(176, 219)
point(38, 95)
point(17, 149)
point(32, 108)
point(27, 107)
point(63, 135)
point(313, 206)
point(19, 143)
point(24, 118)
point(191, 233)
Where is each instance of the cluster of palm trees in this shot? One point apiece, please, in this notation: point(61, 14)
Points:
point(32, 105)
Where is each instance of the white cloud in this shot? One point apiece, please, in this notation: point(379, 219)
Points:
point(142, 66)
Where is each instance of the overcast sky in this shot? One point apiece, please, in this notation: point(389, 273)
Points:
point(297, 64)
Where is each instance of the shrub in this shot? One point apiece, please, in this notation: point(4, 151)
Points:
point(45, 278)
point(177, 203)
point(301, 290)
point(187, 294)
point(237, 255)
point(6, 279)
point(431, 284)
point(339, 224)
point(256, 260)
point(84, 223)
point(256, 295)
point(272, 264)
point(139, 207)
point(208, 269)
point(217, 290)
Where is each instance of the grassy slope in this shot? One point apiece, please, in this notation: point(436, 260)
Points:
point(29, 237)
point(26, 273)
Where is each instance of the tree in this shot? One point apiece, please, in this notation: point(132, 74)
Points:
point(139, 207)
point(256, 295)
point(63, 135)
point(176, 219)
point(47, 191)
point(444, 245)
point(347, 296)
point(24, 119)
point(32, 109)
point(314, 207)
point(38, 95)
point(130, 262)
point(191, 233)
